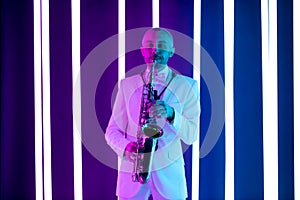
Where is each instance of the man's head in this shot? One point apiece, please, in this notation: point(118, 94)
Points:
point(157, 46)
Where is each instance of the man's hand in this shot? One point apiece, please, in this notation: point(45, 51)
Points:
point(161, 110)
point(131, 151)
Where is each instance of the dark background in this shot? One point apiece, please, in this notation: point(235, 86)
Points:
point(99, 21)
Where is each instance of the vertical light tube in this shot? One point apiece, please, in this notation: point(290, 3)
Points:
point(196, 76)
point(155, 13)
point(296, 33)
point(121, 47)
point(46, 100)
point(270, 100)
point(77, 151)
point(121, 40)
point(229, 100)
point(38, 129)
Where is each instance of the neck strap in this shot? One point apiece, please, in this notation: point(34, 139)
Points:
point(161, 93)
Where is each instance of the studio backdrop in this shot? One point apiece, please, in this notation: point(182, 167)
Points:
point(61, 62)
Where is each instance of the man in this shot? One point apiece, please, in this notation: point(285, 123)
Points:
point(177, 112)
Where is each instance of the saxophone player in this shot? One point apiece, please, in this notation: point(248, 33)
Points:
point(176, 111)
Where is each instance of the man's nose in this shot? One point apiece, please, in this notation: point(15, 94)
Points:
point(155, 50)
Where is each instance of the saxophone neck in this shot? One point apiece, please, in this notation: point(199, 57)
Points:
point(153, 69)
point(150, 73)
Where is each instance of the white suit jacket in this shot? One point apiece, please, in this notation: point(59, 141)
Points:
point(167, 172)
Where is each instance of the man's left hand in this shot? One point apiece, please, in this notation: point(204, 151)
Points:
point(160, 109)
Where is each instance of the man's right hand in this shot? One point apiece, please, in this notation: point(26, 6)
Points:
point(131, 151)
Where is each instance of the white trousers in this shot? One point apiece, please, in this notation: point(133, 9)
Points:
point(145, 191)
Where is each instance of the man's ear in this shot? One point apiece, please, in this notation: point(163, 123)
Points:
point(172, 51)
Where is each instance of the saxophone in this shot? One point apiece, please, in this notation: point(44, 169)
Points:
point(147, 134)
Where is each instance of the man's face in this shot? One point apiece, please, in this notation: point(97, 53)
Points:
point(157, 46)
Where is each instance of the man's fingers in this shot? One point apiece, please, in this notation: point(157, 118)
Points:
point(158, 102)
point(157, 108)
point(133, 148)
point(158, 112)
point(131, 156)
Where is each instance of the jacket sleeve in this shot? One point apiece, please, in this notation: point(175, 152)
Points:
point(115, 131)
point(186, 121)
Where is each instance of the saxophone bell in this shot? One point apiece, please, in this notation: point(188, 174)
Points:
point(152, 130)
